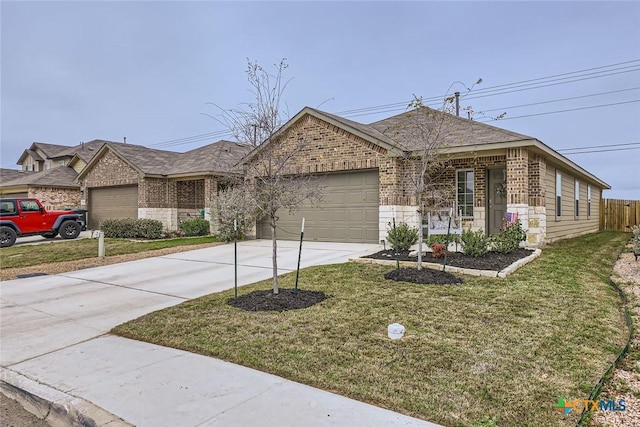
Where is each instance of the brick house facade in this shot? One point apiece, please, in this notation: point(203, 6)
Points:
point(519, 183)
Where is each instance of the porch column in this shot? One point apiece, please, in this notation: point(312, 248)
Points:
point(537, 230)
point(394, 202)
point(518, 184)
point(210, 192)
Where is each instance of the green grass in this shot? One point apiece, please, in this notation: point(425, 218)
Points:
point(488, 348)
point(72, 250)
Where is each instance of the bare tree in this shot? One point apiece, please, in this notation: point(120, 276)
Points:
point(425, 166)
point(276, 184)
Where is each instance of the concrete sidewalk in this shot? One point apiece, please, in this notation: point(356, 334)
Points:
point(54, 339)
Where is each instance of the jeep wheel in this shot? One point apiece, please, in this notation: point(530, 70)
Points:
point(51, 235)
point(69, 229)
point(7, 237)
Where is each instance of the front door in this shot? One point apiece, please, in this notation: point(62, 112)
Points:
point(496, 199)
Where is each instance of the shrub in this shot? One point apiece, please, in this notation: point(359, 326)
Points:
point(508, 239)
point(438, 250)
point(234, 203)
point(148, 228)
point(402, 237)
point(195, 227)
point(475, 243)
point(442, 238)
point(636, 239)
point(128, 228)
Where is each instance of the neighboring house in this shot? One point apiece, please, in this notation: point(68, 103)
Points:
point(56, 188)
point(48, 172)
point(132, 181)
point(491, 171)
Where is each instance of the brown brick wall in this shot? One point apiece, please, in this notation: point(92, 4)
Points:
point(537, 174)
point(316, 146)
point(110, 171)
point(56, 198)
point(517, 176)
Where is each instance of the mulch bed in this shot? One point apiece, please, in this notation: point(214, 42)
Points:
point(286, 299)
point(489, 261)
point(424, 276)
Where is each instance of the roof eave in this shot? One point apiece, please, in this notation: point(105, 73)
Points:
point(538, 145)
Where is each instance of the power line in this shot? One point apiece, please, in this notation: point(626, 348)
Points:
point(602, 151)
point(564, 111)
point(574, 76)
point(562, 99)
point(501, 88)
point(598, 146)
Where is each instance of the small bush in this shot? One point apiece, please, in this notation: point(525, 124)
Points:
point(636, 239)
point(438, 250)
point(442, 238)
point(508, 239)
point(474, 243)
point(148, 228)
point(195, 227)
point(402, 237)
point(129, 228)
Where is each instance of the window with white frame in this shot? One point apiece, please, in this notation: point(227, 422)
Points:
point(464, 191)
point(558, 194)
point(61, 163)
point(29, 168)
point(47, 166)
point(588, 200)
point(576, 193)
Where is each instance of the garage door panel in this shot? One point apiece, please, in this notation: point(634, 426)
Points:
point(348, 211)
point(112, 202)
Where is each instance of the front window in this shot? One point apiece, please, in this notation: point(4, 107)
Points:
point(47, 166)
point(61, 163)
point(465, 192)
point(558, 194)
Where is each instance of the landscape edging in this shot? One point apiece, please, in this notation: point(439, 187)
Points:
point(452, 269)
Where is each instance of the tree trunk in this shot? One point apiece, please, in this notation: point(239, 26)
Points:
point(274, 255)
point(420, 239)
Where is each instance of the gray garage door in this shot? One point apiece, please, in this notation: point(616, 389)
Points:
point(347, 213)
point(112, 202)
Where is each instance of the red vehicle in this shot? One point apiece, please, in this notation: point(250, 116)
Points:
point(27, 217)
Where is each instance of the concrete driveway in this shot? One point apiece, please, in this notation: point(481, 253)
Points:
point(53, 333)
point(39, 240)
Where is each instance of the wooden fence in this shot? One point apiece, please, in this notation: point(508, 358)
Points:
point(619, 215)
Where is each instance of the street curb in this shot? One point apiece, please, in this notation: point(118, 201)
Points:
point(57, 408)
point(451, 269)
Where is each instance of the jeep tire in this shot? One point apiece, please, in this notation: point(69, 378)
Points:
point(7, 237)
point(69, 229)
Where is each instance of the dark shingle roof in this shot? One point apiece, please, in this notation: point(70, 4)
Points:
point(51, 150)
point(86, 150)
point(221, 156)
point(11, 174)
point(456, 131)
point(56, 177)
point(147, 160)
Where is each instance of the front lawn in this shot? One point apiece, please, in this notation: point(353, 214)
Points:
point(72, 250)
point(503, 348)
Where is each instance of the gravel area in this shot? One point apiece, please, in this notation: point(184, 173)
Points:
point(625, 383)
point(63, 267)
point(12, 414)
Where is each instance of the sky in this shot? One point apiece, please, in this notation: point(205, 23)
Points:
point(152, 71)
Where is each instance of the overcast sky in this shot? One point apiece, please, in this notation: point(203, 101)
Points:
point(78, 71)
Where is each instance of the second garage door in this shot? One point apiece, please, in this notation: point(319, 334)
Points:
point(347, 213)
point(112, 202)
